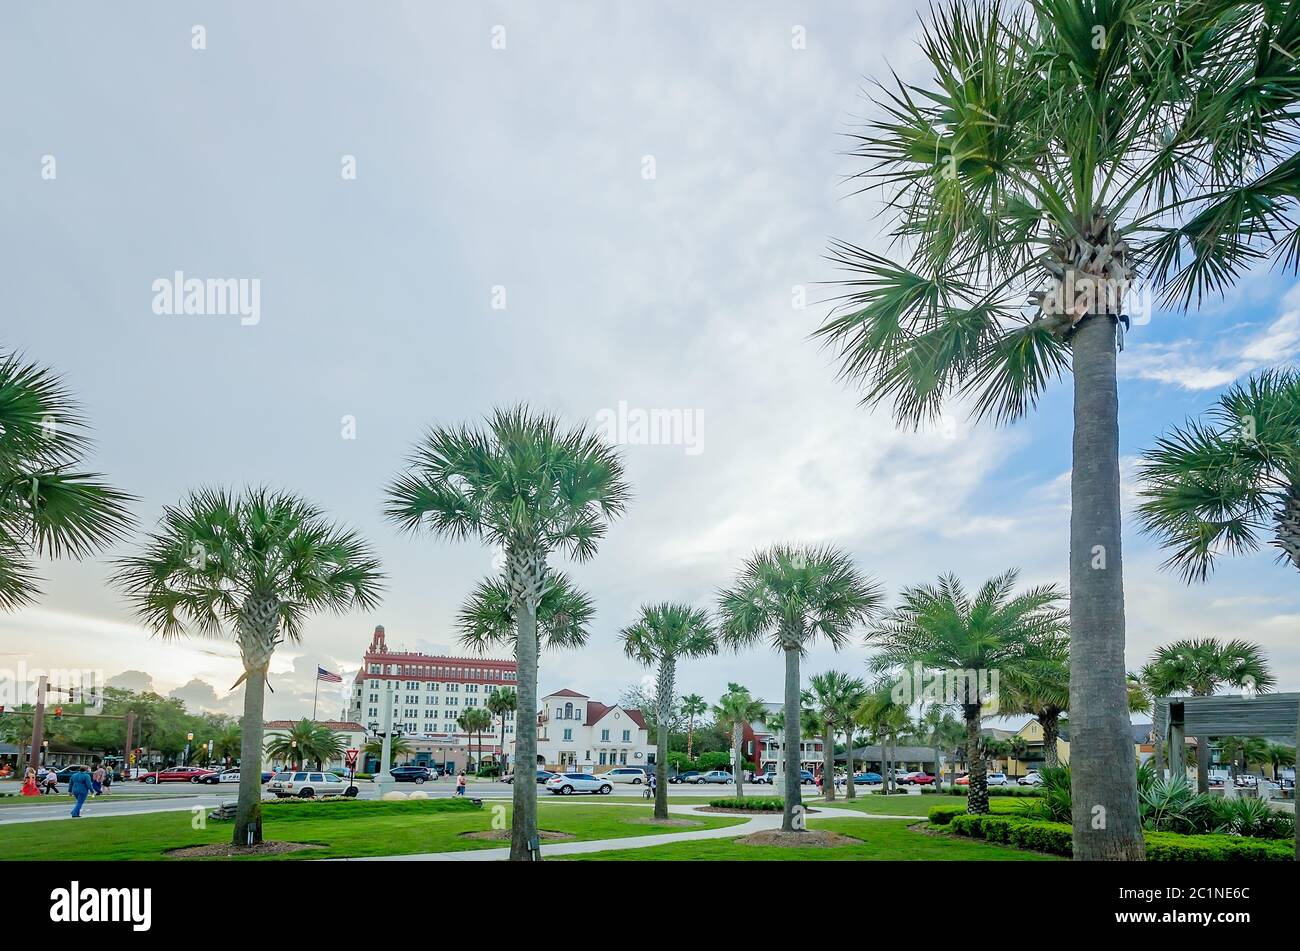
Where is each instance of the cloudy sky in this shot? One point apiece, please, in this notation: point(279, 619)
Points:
point(575, 205)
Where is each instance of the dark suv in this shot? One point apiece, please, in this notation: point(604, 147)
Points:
point(411, 774)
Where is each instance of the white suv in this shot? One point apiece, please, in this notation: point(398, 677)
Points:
point(625, 774)
point(566, 784)
point(308, 785)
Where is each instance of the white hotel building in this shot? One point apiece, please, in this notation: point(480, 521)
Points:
point(577, 733)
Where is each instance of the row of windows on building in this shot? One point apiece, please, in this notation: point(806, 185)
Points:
point(604, 736)
point(437, 670)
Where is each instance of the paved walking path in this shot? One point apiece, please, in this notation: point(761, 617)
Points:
point(763, 822)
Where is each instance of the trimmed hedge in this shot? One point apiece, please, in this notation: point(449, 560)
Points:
point(1055, 838)
point(750, 804)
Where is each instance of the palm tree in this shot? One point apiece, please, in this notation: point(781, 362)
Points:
point(833, 696)
point(398, 746)
point(664, 634)
point(942, 628)
point(1041, 688)
point(1217, 485)
point(943, 732)
point(734, 712)
point(791, 597)
point(1199, 666)
point(472, 723)
point(46, 509)
point(501, 702)
point(252, 566)
point(692, 706)
point(847, 701)
point(226, 744)
point(527, 487)
point(487, 620)
point(881, 712)
point(1067, 154)
point(1279, 755)
point(306, 741)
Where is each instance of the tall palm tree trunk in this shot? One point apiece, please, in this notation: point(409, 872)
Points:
point(1051, 731)
point(738, 757)
point(664, 694)
point(248, 810)
point(977, 790)
point(828, 763)
point(793, 793)
point(850, 790)
point(523, 825)
point(258, 637)
point(690, 736)
point(1103, 780)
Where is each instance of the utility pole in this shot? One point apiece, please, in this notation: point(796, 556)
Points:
point(38, 724)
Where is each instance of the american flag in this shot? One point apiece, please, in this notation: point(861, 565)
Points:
point(325, 675)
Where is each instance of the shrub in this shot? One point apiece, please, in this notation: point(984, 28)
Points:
point(750, 804)
point(1251, 818)
point(1055, 838)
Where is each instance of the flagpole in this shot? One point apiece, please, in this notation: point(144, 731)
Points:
point(314, 694)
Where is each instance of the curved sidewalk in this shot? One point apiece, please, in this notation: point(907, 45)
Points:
point(759, 823)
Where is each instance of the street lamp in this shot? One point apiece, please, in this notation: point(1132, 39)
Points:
point(293, 746)
point(189, 737)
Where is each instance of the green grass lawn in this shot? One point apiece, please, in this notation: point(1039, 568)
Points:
point(347, 830)
point(915, 805)
point(880, 840)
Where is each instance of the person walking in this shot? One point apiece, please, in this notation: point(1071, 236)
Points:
point(80, 785)
point(108, 779)
point(97, 780)
point(460, 783)
point(51, 784)
point(29, 783)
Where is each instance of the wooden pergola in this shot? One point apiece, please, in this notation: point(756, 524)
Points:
point(1273, 715)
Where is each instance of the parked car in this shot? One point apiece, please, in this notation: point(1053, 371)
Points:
point(411, 774)
point(720, 776)
point(307, 785)
point(868, 778)
point(225, 776)
point(626, 774)
point(566, 784)
point(175, 774)
point(919, 778)
point(962, 780)
point(1030, 779)
point(686, 777)
point(542, 776)
point(997, 779)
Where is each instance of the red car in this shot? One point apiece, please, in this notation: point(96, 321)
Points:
point(917, 779)
point(175, 774)
point(963, 780)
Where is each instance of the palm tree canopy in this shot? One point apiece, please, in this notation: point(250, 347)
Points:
point(488, 617)
point(942, 628)
point(737, 707)
point(521, 483)
point(1218, 484)
point(693, 705)
point(216, 549)
point(305, 740)
point(46, 508)
point(1063, 149)
point(835, 695)
point(669, 631)
point(1199, 666)
point(791, 596)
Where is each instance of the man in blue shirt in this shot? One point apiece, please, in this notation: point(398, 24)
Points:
point(79, 785)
